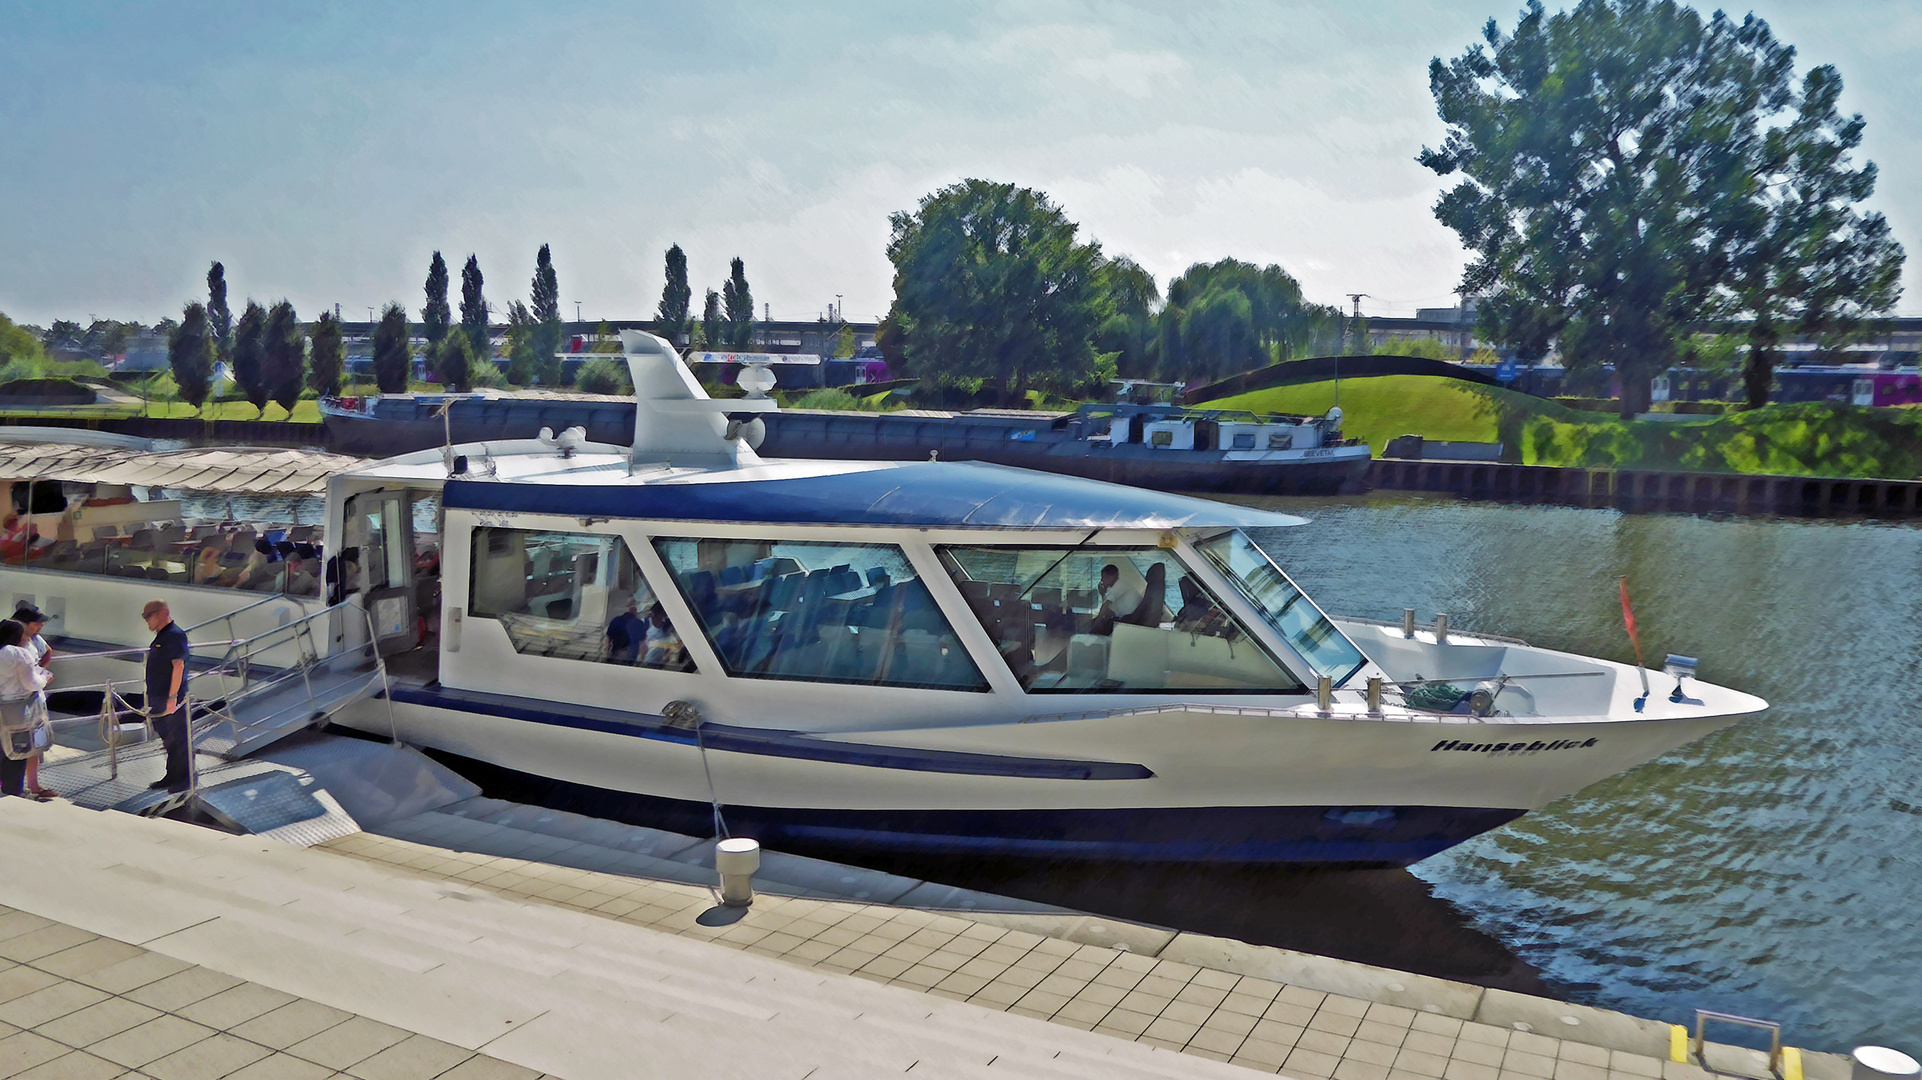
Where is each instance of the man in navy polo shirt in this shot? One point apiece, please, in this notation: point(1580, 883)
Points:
point(167, 692)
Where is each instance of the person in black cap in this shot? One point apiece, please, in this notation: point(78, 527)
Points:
point(32, 621)
point(167, 692)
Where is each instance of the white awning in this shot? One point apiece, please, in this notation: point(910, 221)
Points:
point(227, 470)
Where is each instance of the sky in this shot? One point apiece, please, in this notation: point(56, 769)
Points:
point(322, 152)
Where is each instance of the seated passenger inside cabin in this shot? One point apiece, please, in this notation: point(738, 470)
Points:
point(1072, 620)
point(818, 611)
point(571, 596)
point(663, 644)
point(625, 634)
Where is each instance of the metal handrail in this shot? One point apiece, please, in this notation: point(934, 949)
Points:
point(234, 662)
point(1453, 631)
point(1773, 1027)
point(229, 616)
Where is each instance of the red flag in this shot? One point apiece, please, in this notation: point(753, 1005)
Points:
point(1628, 620)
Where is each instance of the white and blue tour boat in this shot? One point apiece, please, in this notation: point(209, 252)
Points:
point(930, 657)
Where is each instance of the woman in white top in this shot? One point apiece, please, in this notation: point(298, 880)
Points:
point(32, 622)
point(21, 677)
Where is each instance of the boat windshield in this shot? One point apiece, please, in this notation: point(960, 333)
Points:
point(1300, 623)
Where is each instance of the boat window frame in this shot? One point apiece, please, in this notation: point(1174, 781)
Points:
point(655, 542)
point(622, 555)
point(1251, 632)
point(1199, 540)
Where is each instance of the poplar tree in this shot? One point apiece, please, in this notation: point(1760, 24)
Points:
point(393, 353)
point(284, 356)
point(473, 306)
point(435, 317)
point(250, 351)
point(712, 327)
point(190, 353)
point(671, 318)
point(220, 320)
point(328, 357)
point(546, 312)
point(738, 303)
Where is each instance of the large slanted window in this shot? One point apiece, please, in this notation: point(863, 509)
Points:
point(1109, 620)
point(820, 612)
point(577, 596)
point(1285, 607)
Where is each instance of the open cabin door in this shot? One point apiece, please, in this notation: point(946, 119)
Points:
point(380, 525)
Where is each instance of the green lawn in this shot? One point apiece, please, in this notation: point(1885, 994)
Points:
point(305, 412)
point(1810, 438)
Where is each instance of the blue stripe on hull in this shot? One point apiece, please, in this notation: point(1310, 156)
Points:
point(1374, 835)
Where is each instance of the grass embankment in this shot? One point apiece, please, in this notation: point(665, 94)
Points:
point(1806, 439)
point(305, 412)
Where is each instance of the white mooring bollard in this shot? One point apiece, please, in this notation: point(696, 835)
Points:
point(1882, 1063)
point(737, 858)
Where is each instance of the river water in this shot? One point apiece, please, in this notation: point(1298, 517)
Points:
point(1773, 869)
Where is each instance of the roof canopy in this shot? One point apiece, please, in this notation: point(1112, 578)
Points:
point(931, 494)
point(234, 470)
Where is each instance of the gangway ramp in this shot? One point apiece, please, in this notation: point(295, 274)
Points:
point(309, 789)
point(259, 691)
point(269, 686)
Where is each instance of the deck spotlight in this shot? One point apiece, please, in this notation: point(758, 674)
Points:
point(1679, 668)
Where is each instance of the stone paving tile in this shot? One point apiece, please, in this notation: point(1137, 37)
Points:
point(1251, 1022)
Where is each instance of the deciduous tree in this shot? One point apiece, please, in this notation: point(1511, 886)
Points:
point(1622, 182)
point(991, 283)
point(191, 355)
point(393, 351)
point(436, 315)
point(454, 363)
point(250, 354)
point(328, 356)
point(284, 356)
point(1806, 260)
point(1128, 331)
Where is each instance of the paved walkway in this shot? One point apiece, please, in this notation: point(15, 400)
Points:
point(1120, 980)
point(372, 955)
point(78, 1006)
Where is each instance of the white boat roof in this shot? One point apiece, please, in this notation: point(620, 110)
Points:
point(690, 463)
point(597, 481)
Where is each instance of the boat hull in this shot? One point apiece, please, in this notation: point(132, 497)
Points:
point(1230, 789)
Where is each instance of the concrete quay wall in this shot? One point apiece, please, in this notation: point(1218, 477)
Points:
point(1638, 490)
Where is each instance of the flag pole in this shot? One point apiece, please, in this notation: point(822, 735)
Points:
point(1628, 621)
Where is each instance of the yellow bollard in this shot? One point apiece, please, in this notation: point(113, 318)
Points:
point(1678, 1043)
point(1791, 1063)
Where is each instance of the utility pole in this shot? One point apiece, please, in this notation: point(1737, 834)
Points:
point(1356, 299)
point(577, 311)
